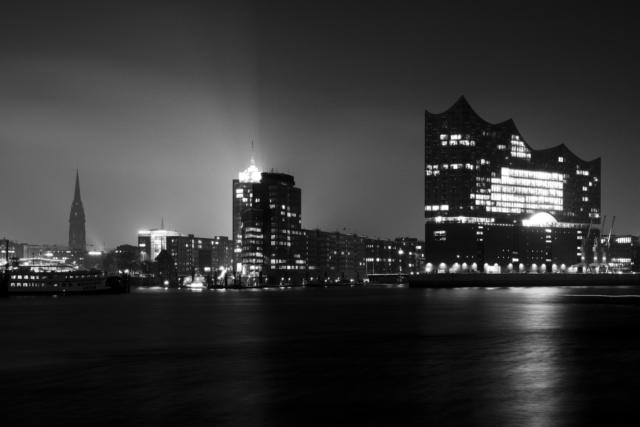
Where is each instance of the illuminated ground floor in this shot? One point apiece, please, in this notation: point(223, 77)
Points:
point(508, 247)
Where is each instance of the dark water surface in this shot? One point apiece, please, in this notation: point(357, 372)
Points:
point(328, 356)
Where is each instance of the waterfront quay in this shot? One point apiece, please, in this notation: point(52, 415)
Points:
point(454, 280)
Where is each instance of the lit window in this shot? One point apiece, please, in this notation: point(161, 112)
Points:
point(440, 235)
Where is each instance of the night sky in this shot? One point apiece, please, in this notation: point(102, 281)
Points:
point(157, 104)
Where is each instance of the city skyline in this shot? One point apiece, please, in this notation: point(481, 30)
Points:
point(157, 107)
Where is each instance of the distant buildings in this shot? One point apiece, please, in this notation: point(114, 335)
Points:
point(62, 253)
point(10, 249)
point(332, 255)
point(151, 242)
point(189, 253)
point(493, 203)
point(622, 252)
point(269, 241)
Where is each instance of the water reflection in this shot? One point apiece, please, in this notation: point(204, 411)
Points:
point(365, 355)
point(529, 373)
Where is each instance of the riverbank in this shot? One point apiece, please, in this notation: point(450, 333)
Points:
point(521, 280)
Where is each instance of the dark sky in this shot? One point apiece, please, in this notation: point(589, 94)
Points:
point(157, 104)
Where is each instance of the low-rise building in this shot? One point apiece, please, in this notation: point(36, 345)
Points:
point(190, 253)
point(623, 252)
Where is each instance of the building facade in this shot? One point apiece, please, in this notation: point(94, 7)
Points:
point(270, 243)
point(243, 197)
point(192, 254)
point(189, 253)
point(270, 225)
point(151, 242)
point(495, 204)
point(333, 255)
point(622, 252)
point(410, 255)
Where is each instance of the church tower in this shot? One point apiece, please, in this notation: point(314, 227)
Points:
point(77, 238)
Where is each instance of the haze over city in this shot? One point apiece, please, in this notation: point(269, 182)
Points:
point(157, 103)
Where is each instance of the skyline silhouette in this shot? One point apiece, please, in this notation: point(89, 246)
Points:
point(157, 105)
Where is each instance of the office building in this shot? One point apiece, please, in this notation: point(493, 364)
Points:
point(410, 255)
point(495, 204)
point(622, 252)
point(333, 255)
point(269, 225)
point(10, 249)
point(151, 242)
point(189, 253)
point(243, 198)
point(199, 254)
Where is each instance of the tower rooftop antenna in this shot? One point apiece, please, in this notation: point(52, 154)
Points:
point(252, 159)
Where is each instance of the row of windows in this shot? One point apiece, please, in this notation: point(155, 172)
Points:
point(41, 285)
point(32, 277)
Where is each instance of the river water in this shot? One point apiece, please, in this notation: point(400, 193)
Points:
point(371, 355)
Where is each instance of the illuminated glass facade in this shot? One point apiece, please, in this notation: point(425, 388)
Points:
point(151, 242)
point(266, 224)
point(481, 176)
point(243, 197)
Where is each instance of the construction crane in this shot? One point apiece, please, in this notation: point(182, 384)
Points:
point(585, 245)
point(610, 230)
point(609, 267)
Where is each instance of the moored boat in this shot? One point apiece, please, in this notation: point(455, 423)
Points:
point(42, 276)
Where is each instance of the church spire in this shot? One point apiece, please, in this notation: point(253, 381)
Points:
point(77, 234)
point(76, 197)
point(162, 224)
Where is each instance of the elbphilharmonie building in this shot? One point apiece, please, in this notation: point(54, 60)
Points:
point(495, 204)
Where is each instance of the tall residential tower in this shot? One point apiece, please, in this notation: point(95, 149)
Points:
point(266, 222)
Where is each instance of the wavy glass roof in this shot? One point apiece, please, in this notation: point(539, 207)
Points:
point(478, 169)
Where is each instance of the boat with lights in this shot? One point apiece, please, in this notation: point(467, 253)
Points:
point(198, 281)
point(44, 276)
